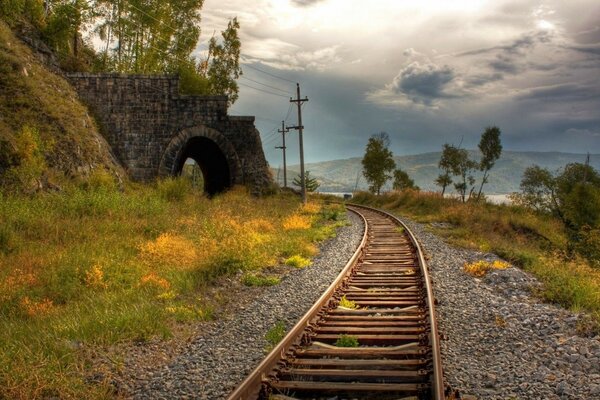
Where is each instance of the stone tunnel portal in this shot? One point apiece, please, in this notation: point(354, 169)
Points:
point(212, 162)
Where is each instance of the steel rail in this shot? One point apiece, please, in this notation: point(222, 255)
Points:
point(399, 319)
point(438, 386)
point(250, 387)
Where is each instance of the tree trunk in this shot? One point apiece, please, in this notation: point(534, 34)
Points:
point(483, 180)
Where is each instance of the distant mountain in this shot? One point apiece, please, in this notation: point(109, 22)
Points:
point(505, 177)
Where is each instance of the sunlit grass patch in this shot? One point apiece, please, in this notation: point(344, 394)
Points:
point(296, 222)
point(297, 261)
point(481, 267)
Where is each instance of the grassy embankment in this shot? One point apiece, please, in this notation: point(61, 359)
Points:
point(534, 242)
point(92, 267)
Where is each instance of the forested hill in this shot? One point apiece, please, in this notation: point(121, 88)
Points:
point(341, 175)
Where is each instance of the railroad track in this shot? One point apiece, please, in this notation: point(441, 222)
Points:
point(392, 321)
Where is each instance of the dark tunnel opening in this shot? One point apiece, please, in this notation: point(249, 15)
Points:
point(212, 162)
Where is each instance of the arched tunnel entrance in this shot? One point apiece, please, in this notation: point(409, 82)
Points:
point(211, 161)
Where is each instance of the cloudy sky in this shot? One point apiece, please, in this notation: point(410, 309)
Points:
point(426, 72)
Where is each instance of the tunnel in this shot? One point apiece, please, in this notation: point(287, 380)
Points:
point(212, 162)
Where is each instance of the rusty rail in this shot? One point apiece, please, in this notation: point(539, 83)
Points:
point(395, 326)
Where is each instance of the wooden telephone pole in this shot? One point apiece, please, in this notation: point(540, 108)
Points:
point(299, 102)
point(283, 131)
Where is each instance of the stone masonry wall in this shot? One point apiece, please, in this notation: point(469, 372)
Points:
point(141, 115)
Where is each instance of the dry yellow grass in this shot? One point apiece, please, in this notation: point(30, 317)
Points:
point(94, 265)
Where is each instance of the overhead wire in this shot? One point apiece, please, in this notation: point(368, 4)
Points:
point(269, 73)
point(262, 90)
point(264, 84)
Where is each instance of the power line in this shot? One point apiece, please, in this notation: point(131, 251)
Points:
point(261, 90)
point(268, 73)
point(264, 84)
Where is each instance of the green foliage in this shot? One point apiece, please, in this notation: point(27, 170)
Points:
point(347, 341)
point(148, 36)
point(222, 65)
point(311, 183)
point(402, 181)
point(18, 11)
point(28, 163)
point(463, 167)
point(490, 148)
point(190, 81)
point(173, 189)
point(275, 334)
point(144, 37)
point(378, 162)
point(447, 160)
point(259, 280)
point(573, 196)
point(297, 261)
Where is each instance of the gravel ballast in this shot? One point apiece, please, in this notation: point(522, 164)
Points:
point(215, 361)
point(500, 342)
point(503, 343)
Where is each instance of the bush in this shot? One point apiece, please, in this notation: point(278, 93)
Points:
point(174, 189)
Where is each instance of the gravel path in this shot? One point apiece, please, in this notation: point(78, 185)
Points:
point(212, 364)
point(503, 343)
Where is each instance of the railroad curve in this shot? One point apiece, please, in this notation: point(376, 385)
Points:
point(388, 323)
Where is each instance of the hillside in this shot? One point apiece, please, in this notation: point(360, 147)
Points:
point(341, 175)
point(46, 134)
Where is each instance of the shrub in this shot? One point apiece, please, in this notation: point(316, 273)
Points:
point(347, 341)
point(174, 189)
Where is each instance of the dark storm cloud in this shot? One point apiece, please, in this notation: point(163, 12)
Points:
point(482, 79)
point(423, 83)
point(562, 92)
point(587, 48)
point(305, 3)
point(506, 65)
point(517, 47)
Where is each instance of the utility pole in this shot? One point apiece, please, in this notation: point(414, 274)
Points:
point(283, 131)
point(299, 102)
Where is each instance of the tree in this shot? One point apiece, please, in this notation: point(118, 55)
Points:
point(572, 195)
point(311, 183)
point(455, 161)
point(463, 167)
point(538, 190)
point(445, 165)
point(490, 148)
point(402, 181)
point(224, 67)
point(378, 161)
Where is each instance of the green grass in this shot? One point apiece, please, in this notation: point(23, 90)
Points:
point(537, 243)
point(94, 266)
point(37, 105)
point(275, 335)
point(346, 341)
